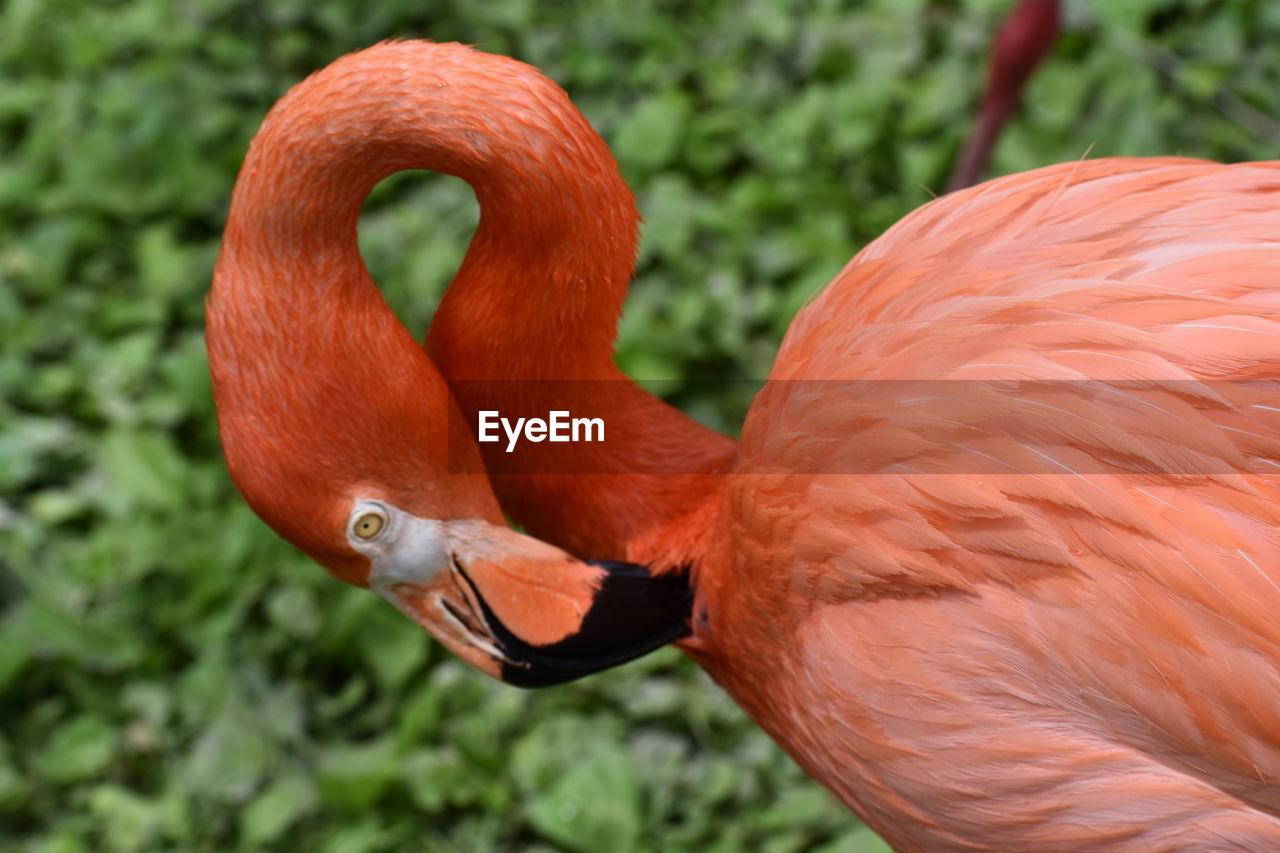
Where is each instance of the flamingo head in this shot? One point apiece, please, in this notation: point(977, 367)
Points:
point(364, 462)
point(512, 606)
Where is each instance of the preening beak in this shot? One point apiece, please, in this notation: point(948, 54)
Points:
point(521, 610)
point(630, 614)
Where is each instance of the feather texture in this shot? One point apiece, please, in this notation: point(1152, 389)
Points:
point(1033, 614)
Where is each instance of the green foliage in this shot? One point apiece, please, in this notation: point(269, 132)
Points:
point(174, 677)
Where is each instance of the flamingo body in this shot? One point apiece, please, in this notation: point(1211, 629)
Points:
point(1034, 619)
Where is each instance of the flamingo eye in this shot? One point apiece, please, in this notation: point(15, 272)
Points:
point(369, 523)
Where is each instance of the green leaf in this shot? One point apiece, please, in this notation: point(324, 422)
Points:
point(594, 806)
point(649, 137)
point(79, 749)
point(229, 759)
point(393, 646)
point(294, 610)
point(145, 469)
point(277, 808)
point(129, 821)
point(352, 777)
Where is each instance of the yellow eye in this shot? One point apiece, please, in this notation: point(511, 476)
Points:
point(369, 524)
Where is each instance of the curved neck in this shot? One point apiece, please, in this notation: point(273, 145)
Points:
point(558, 230)
point(537, 296)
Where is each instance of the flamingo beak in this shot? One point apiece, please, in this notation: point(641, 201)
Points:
point(521, 610)
point(630, 614)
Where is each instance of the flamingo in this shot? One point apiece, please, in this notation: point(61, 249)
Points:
point(995, 559)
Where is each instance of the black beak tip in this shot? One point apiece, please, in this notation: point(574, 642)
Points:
point(633, 613)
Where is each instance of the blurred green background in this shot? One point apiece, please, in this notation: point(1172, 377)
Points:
point(172, 676)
